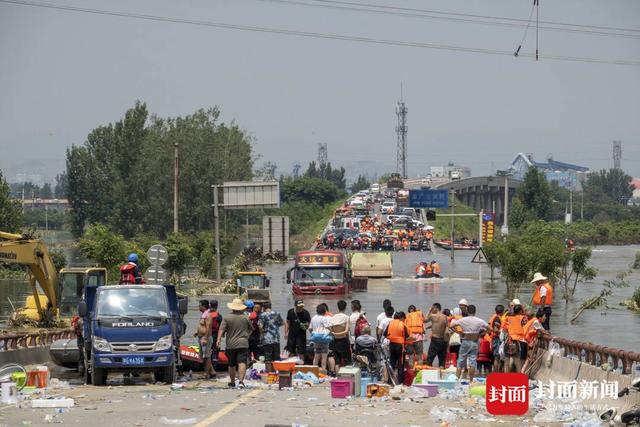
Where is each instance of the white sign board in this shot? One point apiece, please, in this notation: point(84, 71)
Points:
point(275, 234)
point(155, 275)
point(247, 195)
point(157, 254)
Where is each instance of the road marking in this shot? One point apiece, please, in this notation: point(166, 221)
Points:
point(225, 410)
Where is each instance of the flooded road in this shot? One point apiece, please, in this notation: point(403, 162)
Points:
point(613, 327)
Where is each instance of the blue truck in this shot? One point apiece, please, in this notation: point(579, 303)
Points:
point(131, 329)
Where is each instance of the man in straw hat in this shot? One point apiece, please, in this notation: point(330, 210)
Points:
point(543, 297)
point(237, 328)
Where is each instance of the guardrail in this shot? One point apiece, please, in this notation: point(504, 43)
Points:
point(41, 338)
point(594, 354)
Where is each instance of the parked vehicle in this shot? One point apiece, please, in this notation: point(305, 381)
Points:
point(131, 329)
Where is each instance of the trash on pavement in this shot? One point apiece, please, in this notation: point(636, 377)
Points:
point(177, 421)
point(52, 403)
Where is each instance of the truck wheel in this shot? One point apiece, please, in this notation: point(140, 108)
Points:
point(169, 374)
point(158, 376)
point(98, 376)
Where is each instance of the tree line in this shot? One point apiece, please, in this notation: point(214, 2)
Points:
point(122, 176)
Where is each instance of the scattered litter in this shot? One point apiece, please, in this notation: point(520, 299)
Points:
point(312, 399)
point(177, 422)
point(52, 403)
point(176, 386)
point(292, 398)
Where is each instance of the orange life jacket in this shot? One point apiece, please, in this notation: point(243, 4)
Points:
point(436, 268)
point(529, 331)
point(537, 299)
point(484, 351)
point(415, 322)
point(428, 269)
point(396, 331)
point(515, 326)
point(492, 321)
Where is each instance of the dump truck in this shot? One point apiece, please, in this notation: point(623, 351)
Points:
point(371, 264)
point(254, 285)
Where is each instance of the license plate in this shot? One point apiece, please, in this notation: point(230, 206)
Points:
point(133, 360)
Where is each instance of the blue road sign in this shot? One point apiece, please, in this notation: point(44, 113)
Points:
point(429, 198)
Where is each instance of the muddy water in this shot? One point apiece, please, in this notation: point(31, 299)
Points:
point(614, 327)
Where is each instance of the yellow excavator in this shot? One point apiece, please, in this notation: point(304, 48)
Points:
point(62, 290)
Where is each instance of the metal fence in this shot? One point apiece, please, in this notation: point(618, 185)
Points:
point(594, 354)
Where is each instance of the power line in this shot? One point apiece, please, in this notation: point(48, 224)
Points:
point(469, 15)
point(455, 17)
point(328, 36)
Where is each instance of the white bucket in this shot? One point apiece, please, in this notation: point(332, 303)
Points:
point(9, 393)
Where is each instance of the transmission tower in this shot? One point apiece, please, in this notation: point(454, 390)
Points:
point(401, 131)
point(617, 154)
point(323, 154)
point(296, 169)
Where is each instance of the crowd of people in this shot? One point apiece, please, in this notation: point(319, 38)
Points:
point(457, 336)
point(370, 233)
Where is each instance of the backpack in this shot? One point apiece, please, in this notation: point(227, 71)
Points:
point(127, 273)
point(361, 323)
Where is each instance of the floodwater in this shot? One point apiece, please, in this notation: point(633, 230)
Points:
point(614, 326)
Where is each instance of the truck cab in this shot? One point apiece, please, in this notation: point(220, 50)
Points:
point(320, 273)
point(131, 329)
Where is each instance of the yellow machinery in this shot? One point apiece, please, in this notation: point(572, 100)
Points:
point(371, 264)
point(62, 291)
point(253, 285)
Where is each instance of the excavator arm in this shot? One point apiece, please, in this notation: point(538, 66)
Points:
point(24, 250)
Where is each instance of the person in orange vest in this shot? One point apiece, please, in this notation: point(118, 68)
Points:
point(415, 343)
point(543, 297)
point(405, 244)
point(532, 330)
point(428, 270)
point(421, 270)
point(516, 346)
point(397, 334)
point(435, 269)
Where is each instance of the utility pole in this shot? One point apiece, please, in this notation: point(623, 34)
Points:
point(401, 131)
point(582, 205)
point(176, 173)
point(505, 226)
point(453, 215)
point(216, 220)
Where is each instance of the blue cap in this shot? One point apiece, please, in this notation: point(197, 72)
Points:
point(249, 303)
point(133, 257)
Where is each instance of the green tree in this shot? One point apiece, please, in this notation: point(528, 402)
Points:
point(313, 190)
point(10, 210)
point(46, 192)
point(59, 259)
point(518, 214)
point(535, 194)
point(122, 176)
point(180, 253)
point(575, 269)
point(611, 185)
point(362, 183)
point(60, 189)
point(103, 246)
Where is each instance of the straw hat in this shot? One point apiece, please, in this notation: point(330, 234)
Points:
point(236, 305)
point(463, 301)
point(538, 277)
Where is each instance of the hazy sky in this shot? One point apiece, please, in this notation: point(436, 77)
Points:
point(63, 73)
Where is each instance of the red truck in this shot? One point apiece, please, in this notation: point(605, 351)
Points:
point(319, 273)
